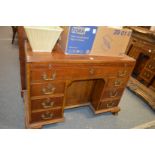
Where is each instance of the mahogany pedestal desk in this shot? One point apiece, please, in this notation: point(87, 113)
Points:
point(55, 81)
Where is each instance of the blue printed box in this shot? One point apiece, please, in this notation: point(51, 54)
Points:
point(78, 39)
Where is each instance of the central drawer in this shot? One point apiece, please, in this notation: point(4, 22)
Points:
point(49, 88)
point(56, 72)
point(42, 75)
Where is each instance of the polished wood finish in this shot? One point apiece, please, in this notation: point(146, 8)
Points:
point(142, 48)
point(46, 115)
point(79, 92)
point(56, 82)
point(47, 88)
point(46, 103)
point(108, 104)
point(39, 124)
point(22, 59)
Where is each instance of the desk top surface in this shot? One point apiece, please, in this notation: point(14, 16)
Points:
point(57, 56)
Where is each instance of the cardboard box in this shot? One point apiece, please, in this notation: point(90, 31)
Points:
point(77, 39)
point(152, 28)
point(108, 41)
point(111, 41)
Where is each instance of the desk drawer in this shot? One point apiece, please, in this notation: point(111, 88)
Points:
point(46, 115)
point(117, 82)
point(112, 93)
point(108, 104)
point(148, 47)
point(46, 103)
point(147, 75)
point(151, 65)
point(43, 73)
point(47, 88)
point(93, 72)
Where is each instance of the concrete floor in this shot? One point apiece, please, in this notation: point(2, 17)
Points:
point(134, 111)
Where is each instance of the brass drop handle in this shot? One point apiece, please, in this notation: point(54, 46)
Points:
point(47, 104)
point(147, 75)
point(44, 76)
point(114, 93)
point(91, 71)
point(151, 67)
point(49, 90)
point(111, 104)
point(117, 83)
point(122, 73)
point(47, 115)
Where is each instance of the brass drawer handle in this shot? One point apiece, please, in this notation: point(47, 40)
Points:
point(117, 83)
point(49, 66)
point(47, 104)
point(44, 76)
point(114, 93)
point(111, 104)
point(151, 67)
point(47, 115)
point(147, 75)
point(122, 73)
point(91, 71)
point(49, 90)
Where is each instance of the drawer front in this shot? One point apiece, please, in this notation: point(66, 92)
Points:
point(44, 73)
point(117, 82)
point(146, 75)
point(47, 88)
point(102, 71)
point(151, 65)
point(46, 103)
point(108, 104)
point(124, 72)
point(46, 115)
point(112, 93)
point(64, 74)
point(145, 46)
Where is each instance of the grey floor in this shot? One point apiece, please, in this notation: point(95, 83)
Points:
point(134, 111)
